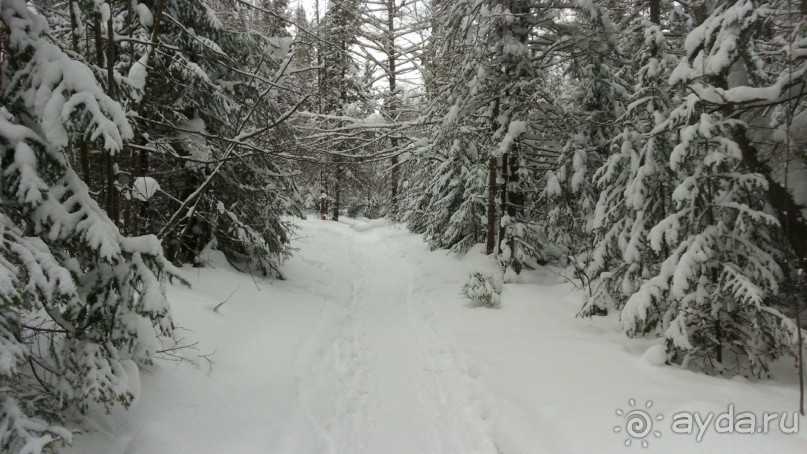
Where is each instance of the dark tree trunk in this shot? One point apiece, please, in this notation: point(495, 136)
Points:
point(100, 61)
point(395, 172)
point(73, 26)
point(85, 159)
point(515, 199)
point(490, 240)
point(503, 196)
point(112, 199)
point(393, 102)
point(655, 11)
point(145, 213)
point(99, 47)
point(337, 202)
point(490, 237)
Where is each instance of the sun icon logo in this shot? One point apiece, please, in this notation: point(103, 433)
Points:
point(638, 423)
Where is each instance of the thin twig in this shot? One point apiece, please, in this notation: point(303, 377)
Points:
point(216, 309)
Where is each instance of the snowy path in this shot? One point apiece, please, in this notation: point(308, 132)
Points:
point(382, 379)
point(368, 348)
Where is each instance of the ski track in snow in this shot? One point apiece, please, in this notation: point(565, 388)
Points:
point(401, 388)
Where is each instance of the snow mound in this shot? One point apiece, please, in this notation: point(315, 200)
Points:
point(364, 224)
point(655, 355)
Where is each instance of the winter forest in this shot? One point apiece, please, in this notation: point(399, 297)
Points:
point(400, 226)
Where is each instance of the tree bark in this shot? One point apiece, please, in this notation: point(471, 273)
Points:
point(337, 190)
point(85, 159)
point(112, 199)
point(515, 202)
point(490, 240)
point(100, 61)
point(140, 165)
point(99, 47)
point(73, 26)
point(144, 222)
point(655, 11)
point(394, 175)
point(503, 197)
point(392, 102)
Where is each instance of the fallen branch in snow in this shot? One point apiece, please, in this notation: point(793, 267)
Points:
point(216, 309)
point(173, 354)
point(178, 347)
point(209, 362)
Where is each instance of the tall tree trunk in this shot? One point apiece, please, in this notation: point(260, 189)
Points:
point(341, 103)
point(99, 46)
point(323, 196)
point(110, 60)
point(505, 179)
point(140, 166)
point(392, 102)
point(100, 61)
point(145, 212)
point(394, 175)
point(490, 237)
point(84, 159)
point(515, 203)
point(338, 190)
point(112, 200)
point(655, 11)
point(491, 246)
point(73, 25)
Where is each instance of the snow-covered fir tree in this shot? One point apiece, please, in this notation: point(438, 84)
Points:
point(727, 249)
point(80, 304)
point(338, 91)
point(634, 182)
point(597, 99)
point(211, 116)
point(481, 120)
point(702, 253)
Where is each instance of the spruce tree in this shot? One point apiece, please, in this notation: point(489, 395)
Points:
point(720, 251)
point(598, 77)
point(212, 113)
point(79, 303)
point(634, 181)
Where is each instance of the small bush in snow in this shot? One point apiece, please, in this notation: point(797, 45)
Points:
point(483, 289)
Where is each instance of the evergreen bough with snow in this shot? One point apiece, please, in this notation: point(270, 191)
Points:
point(81, 306)
point(483, 289)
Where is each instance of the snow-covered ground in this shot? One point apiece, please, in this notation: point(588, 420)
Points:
point(369, 347)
